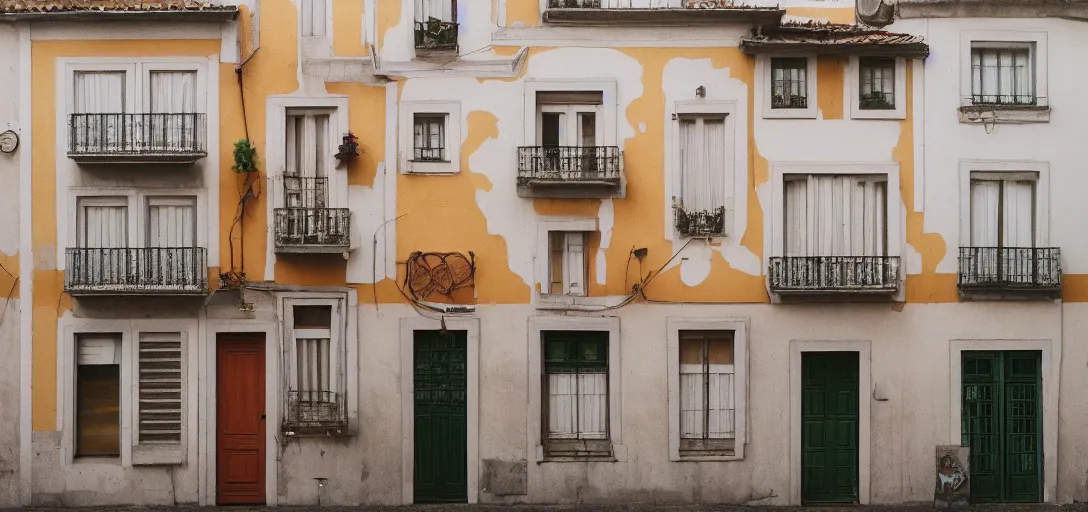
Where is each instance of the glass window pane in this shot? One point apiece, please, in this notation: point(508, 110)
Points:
point(313, 317)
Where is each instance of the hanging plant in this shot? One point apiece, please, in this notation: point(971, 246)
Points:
point(349, 149)
point(245, 157)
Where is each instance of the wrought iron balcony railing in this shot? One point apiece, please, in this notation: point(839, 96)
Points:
point(551, 165)
point(435, 34)
point(1010, 268)
point(829, 274)
point(315, 412)
point(137, 137)
point(312, 229)
point(702, 223)
point(305, 191)
point(136, 271)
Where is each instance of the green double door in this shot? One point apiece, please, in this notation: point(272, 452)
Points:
point(829, 427)
point(1001, 421)
point(440, 386)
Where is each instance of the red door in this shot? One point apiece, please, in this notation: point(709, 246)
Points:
point(240, 418)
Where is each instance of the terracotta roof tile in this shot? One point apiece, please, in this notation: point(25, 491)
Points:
point(811, 34)
point(51, 6)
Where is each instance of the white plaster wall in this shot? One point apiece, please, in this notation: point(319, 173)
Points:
point(9, 245)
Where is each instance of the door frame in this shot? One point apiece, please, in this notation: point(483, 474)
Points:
point(865, 387)
point(207, 459)
point(1050, 370)
point(408, 327)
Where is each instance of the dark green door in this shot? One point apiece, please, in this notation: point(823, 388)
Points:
point(440, 424)
point(829, 427)
point(1001, 423)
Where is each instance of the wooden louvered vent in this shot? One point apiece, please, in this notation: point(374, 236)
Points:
point(160, 388)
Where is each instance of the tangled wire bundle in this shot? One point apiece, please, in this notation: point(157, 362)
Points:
point(434, 272)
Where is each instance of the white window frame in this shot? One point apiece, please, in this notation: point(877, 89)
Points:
point(337, 341)
point(765, 83)
point(132, 453)
point(853, 77)
point(606, 114)
point(737, 158)
point(1042, 194)
point(452, 111)
point(1038, 42)
point(322, 7)
point(543, 254)
point(276, 135)
point(569, 132)
point(137, 206)
point(138, 80)
point(775, 245)
point(538, 324)
point(739, 326)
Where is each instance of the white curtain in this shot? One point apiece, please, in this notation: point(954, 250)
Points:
point(99, 93)
point(828, 215)
point(719, 408)
point(577, 405)
point(103, 226)
point(985, 197)
point(704, 181)
point(314, 380)
point(1002, 75)
point(173, 92)
point(103, 231)
point(171, 236)
point(1005, 207)
point(440, 9)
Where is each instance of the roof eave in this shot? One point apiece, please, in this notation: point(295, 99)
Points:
point(908, 50)
point(191, 16)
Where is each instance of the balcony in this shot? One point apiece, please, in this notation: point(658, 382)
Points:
point(659, 12)
point(996, 273)
point(569, 171)
point(435, 34)
point(700, 224)
point(312, 230)
point(835, 275)
point(136, 138)
point(136, 271)
point(315, 413)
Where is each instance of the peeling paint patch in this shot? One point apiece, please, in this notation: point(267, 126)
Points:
point(606, 219)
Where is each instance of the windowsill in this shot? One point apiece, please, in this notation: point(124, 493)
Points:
point(98, 460)
point(1004, 114)
point(151, 455)
point(548, 301)
point(696, 456)
point(429, 161)
point(617, 453)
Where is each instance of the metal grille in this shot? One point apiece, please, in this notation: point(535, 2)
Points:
point(160, 369)
point(700, 223)
point(877, 84)
point(312, 227)
point(435, 34)
point(1010, 267)
point(315, 410)
point(147, 135)
point(568, 163)
point(305, 192)
point(430, 138)
point(181, 270)
point(1002, 76)
point(834, 273)
point(789, 82)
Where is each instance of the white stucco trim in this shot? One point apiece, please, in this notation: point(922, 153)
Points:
point(736, 131)
point(865, 388)
point(609, 104)
point(543, 252)
point(276, 161)
point(1038, 39)
point(128, 30)
point(206, 458)
point(764, 84)
point(408, 326)
point(26, 272)
point(853, 85)
point(1051, 369)
point(918, 117)
point(453, 124)
point(1042, 194)
point(388, 172)
point(739, 326)
point(540, 323)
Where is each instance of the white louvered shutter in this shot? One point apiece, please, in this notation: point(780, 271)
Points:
point(313, 17)
point(160, 370)
point(574, 270)
point(706, 171)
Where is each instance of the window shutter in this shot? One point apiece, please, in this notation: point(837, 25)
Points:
point(313, 17)
point(160, 388)
point(575, 270)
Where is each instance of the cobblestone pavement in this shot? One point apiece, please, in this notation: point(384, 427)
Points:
point(631, 507)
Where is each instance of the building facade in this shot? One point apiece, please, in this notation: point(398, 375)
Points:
point(548, 251)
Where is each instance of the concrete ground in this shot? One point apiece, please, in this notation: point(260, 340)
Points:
point(926, 507)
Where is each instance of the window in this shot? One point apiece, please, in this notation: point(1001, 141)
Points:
point(567, 263)
point(835, 215)
point(789, 82)
point(309, 162)
point(316, 382)
point(576, 387)
point(430, 138)
point(707, 405)
point(877, 83)
point(436, 24)
point(1002, 74)
point(706, 175)
point(313, 18)
point(102, 222)
point(568, 118)
point(1003, 209)
point(160, 372)
point(98, 395)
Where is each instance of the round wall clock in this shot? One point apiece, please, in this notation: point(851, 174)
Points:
point(9, 142)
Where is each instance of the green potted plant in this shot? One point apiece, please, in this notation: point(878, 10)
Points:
point(245, 157)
